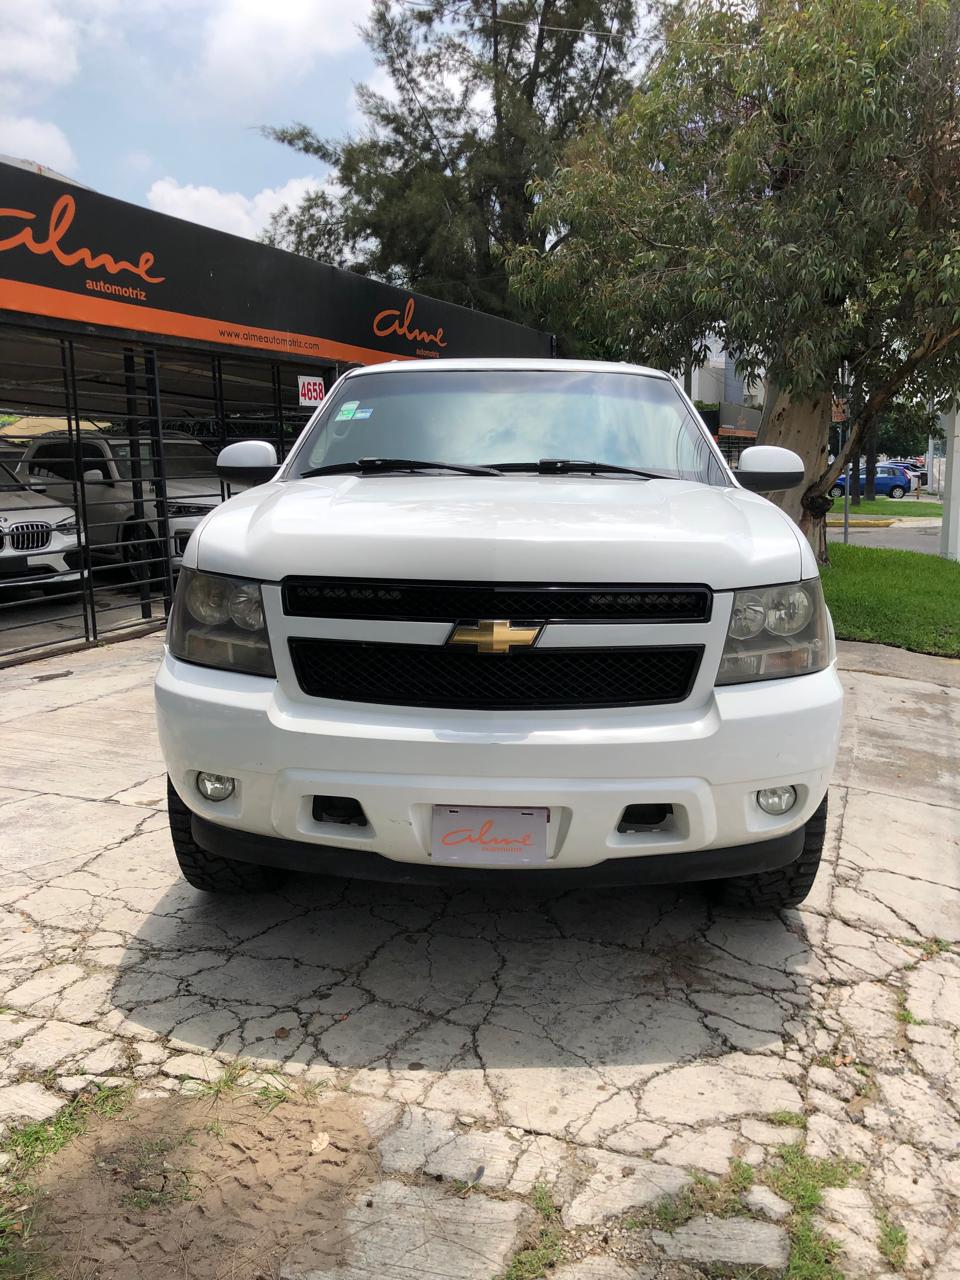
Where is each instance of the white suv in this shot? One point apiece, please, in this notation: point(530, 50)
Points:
point(501, 616)
point(39, 546)
point(118, 528)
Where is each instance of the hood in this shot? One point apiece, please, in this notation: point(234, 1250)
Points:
point(502, 528)
point(25, 504)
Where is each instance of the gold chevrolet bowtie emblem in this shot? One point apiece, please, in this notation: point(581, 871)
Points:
point(494, 635)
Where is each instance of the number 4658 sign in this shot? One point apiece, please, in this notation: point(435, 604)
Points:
point(311, 389)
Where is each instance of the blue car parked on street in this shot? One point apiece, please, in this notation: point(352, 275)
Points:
point(892, 482)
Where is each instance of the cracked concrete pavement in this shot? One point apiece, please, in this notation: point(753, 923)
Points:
point(607, 1044)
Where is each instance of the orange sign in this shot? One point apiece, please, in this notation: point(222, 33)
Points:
point(61, 218)
point(387, 322)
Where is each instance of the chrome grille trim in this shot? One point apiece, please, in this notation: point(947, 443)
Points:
point(29, 535)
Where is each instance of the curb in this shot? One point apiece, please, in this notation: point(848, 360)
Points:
point(862, 524)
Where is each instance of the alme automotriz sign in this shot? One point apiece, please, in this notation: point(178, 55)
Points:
point(71, 255)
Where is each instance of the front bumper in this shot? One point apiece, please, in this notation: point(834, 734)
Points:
point(56, 563)
point(360, 864)
point(707, 761)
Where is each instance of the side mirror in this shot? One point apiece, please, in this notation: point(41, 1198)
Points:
point(247, 461)
point(37, 486)
point(766, 467)
point(94, 476)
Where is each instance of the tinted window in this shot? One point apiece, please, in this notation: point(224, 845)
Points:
point(57, 458)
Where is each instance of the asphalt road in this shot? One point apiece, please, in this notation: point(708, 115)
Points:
point(899, 537)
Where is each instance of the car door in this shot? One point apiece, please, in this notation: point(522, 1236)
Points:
point(108, 499)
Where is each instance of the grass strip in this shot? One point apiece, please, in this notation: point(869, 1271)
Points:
point(903, 598)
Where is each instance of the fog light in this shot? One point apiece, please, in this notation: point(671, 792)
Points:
point(215, 786)
point(777, 800)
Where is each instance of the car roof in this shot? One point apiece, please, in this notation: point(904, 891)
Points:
point(111, 437)
point(500, 365)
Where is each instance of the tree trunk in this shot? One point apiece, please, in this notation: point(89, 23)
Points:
point(870, 486)
point(855, 479)
point(804, 427)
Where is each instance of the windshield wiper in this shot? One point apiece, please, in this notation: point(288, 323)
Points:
point(375, 466)
point(574, 466)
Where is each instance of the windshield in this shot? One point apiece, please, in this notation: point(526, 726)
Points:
point(492, 416)
point(183, 459)
point(8, 480)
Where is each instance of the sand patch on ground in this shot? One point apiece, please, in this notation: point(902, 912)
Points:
point(204, 1189)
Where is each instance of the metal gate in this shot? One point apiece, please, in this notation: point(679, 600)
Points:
point(107, 463)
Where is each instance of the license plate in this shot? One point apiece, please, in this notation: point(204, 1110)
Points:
point(475, 836)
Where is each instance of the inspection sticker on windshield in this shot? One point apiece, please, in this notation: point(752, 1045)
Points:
point(347, 411)
point(362, 413)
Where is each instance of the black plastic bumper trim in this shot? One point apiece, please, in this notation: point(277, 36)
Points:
point(362, 864)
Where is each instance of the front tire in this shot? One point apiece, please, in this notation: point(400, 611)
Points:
point(897, 491)
point(208, 871)
point(142, 556)
point(787, 886)
point(836, 491)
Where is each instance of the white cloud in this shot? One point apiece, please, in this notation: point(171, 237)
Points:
point(251, 47)
point(227, 210)
point(38, 47)
point(40, 140)
point(140, 161)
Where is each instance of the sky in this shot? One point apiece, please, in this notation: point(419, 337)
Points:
point(159, 101)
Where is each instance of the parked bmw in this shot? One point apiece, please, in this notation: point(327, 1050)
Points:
point(38, 537)
point(118, 530)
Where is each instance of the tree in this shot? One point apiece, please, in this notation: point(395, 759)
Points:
point(905, 427)
point(483, 96)
point(788, 178)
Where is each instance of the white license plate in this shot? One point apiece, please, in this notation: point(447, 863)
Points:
point(475, 836)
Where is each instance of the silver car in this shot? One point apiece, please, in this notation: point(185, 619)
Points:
point(118, 527)
point(38, 537)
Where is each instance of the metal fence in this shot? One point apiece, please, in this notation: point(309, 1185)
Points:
point(107, 463)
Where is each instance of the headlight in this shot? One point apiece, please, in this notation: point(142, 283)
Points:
point(218, 622)
point(776, 632)
point(179, 510)
point(67, 526)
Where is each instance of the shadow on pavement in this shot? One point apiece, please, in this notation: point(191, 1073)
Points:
point(427, 989)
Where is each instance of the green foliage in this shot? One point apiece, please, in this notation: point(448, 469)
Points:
point(791, 1119)
point(892, 1242)
point(787, 177)
point(903, 1013)
point(547, 1249)
point(482, 98)
point(537, 1260)
point(800, 1178)
point(226, 1082)
point(905, 427)
point(931, 947)
point(903, 598)
point(898, 508)
point(717, 1197)
point(543, 1201)
point(32, 1143)
point(812, 1254)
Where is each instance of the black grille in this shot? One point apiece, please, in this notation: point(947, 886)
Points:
point(443, 676)
point(462, 602)
point(31, 535)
